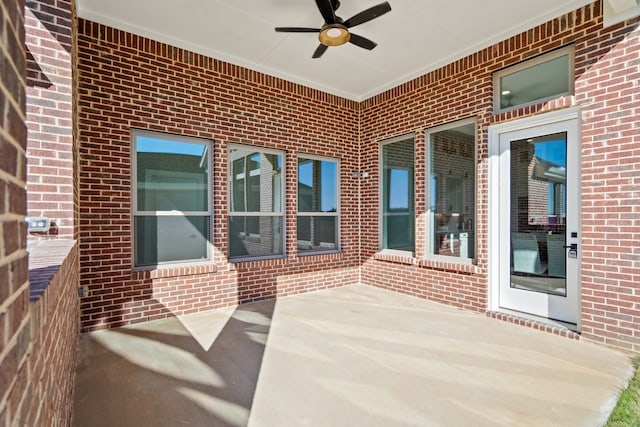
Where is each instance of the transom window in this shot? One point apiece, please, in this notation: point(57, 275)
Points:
point(397, 198)
point(451, 190)
point(171, 202)
point(318, 204)
point(536, 80)
point(256, 210)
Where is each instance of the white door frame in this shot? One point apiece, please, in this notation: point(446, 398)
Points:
point(493, 261)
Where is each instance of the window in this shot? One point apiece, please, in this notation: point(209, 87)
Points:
point(171, 199)
point(256, 211)
point(318, 220)
point(536, 80)
point(397, 201)
point(451, 189)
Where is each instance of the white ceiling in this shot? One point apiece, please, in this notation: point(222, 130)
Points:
point(417, 36)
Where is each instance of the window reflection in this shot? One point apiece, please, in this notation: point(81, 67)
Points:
point(317, 225)
point(255, 206)
point(538, 213)
point(398, 213)
point(452, 187)
point(171, 210)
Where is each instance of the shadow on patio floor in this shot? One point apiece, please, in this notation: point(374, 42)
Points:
point(352, 356)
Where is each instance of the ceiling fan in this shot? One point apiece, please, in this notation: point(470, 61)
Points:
point(335, 31)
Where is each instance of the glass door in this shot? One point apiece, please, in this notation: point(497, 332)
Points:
point(539, 221)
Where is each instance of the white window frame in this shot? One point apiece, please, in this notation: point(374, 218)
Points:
point(429, 243)
point(498, 75)
point(281, 213)
point(335, 214)
point(381, 195)
point(135, 213)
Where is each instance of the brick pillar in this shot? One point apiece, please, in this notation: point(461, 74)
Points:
point(50, 114)
point(14, 285)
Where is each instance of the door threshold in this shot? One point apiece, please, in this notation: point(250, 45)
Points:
point(557, 327)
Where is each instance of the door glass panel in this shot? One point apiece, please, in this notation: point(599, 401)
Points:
point(538, 214)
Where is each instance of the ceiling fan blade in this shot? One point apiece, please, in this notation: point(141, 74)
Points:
point(297, 30)
point(368, 15)
point(326, 10)
point(362, 42)
point(320, 50)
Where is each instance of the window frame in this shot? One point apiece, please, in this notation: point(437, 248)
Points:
point(430, 175)
point(336, 214)
point(258, 214)
point(568, 51)
point(135, 213)
point(382, 196)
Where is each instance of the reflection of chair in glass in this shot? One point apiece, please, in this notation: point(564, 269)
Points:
point(557, 254)
point(526, 254)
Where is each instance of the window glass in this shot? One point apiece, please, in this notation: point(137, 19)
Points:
point(162, 239)
point(255, 209)
point(171, 210)
point(317, 227)
point(452, 190)
point(535, 80)
point(398, 213)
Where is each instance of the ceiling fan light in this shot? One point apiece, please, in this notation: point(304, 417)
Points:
point(334, 35)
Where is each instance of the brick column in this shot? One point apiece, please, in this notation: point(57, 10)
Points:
point(14, 285)
point(50, 114)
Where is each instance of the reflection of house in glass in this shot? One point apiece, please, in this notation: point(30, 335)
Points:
point(538, 206)
point(317, 223)
point(255, 205)
point(538, 189)
point(398, 204)
point(314, 232)
point(453, 191)
point(171, 203)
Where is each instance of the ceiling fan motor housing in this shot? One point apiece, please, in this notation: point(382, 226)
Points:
point(334, 35)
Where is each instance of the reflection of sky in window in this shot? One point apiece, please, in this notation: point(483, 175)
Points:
point(145, 144)
point(398, 189)
point(552, 151)
point(433, 192)
point(328, 176)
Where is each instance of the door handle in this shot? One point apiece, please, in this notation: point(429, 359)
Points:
point(573, 250)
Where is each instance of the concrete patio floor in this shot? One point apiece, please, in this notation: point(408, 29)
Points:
point(352, 356)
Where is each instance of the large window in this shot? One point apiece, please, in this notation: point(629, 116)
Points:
point(171, 199)
point(256, 210)
point(397, 198)
point(535, 80)
point(451, 190)
point(318, 220)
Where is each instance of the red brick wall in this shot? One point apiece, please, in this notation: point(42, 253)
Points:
point(607, 82)
point(14, 284)
point(55, 333)
point(50, 114)
point(126, 82)
point(608, 88)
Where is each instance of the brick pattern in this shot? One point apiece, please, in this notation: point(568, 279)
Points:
point(14, 286)
point(50, 114)
point(607, 84)
point(55, 333)
point(608, 87)
point(126, 81)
